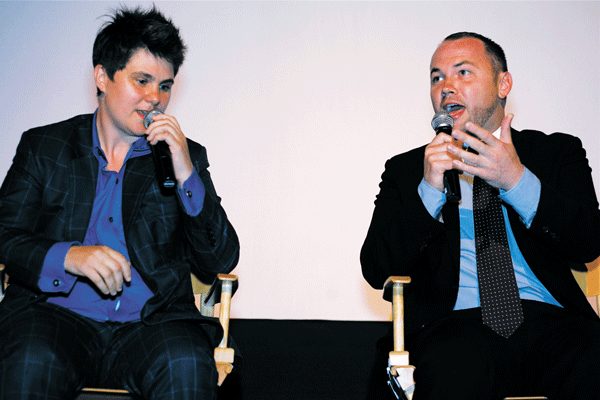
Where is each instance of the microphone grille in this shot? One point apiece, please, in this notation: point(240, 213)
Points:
point(441, 118)
point(149, 116)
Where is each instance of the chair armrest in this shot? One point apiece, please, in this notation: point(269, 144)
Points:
point(222, 281)
point(207, 295)
point(393, 290)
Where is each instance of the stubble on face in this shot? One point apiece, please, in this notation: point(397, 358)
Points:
point(463, 76)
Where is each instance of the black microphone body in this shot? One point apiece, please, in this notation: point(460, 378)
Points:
point(442, 122)
point(162, 157)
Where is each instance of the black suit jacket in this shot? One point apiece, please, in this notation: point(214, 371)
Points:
point(47, 197)
point(403, 239)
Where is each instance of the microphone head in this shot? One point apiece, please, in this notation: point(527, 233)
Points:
point(442, 119)
point(148, 118)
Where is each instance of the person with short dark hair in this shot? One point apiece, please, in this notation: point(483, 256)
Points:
point(98, 253)
point(492, 309)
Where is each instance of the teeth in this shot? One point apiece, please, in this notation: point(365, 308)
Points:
point(453, 107)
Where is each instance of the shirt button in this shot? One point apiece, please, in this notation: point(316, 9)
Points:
point(56, 283)
point(189, 193)
point(110, 219)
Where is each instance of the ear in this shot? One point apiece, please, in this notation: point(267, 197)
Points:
point(101, 78)
point(504, 84)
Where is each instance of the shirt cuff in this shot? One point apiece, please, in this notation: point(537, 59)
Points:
point(192, 194)
point(432, 199)
point(54, 278)
point(524, 197)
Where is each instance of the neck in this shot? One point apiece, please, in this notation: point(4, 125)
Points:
point(114, 144)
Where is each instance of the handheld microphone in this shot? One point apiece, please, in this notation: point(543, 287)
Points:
point(442, 122)
point(162, 157)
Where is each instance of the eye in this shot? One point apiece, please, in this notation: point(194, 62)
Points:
point(436, 79)
point(166, 87)
point(464, 72)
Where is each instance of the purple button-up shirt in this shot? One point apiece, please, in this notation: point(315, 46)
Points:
point(106, 228)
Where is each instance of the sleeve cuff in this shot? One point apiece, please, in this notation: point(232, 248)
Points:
point(54, 278)
point(524, 197)
point(192, 194)
point(432, 199)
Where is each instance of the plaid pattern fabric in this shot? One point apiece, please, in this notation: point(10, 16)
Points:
point(50, 352)
point(47, 197)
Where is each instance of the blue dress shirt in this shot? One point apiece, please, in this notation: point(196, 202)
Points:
point(106, 228)
point(524, 198)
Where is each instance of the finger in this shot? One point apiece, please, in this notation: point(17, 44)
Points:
point(111, 278)
point(467, 168)
point(98, 281)
point(107, 264)
point(160, 132)
point(442, 138)
point(119, 267)
point(126, 269)
point(505, 129)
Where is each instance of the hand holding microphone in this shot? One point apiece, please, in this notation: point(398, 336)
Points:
point(442, 122)
point(162, 157)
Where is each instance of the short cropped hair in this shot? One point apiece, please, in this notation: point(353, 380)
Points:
point(130, 30)
point(493, 49)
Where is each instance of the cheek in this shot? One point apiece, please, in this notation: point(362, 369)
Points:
point(164, 98)
point(435, 95)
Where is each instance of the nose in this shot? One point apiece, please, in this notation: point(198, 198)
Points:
point(448, 88)
point(153, 96)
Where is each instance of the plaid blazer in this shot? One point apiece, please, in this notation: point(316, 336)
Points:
point(47, 197)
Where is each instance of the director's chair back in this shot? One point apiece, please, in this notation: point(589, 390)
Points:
point(207, 297)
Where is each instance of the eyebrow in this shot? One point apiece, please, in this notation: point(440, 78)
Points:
point(457, 65)
point(152, 78)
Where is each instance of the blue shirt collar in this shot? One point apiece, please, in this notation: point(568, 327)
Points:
point(138, 148)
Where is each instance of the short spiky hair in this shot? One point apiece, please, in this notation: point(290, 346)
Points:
point(492, 48)
point(132, 29)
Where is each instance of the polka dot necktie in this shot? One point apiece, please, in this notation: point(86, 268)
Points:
point(498, 293)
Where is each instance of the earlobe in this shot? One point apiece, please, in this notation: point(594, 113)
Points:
point(505, 84)
point(100, 78)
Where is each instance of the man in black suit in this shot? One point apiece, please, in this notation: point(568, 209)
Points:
point(552, 225)
point(99, 255)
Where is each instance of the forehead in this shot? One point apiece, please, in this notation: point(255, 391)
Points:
point(465, 50)
point(144, 61)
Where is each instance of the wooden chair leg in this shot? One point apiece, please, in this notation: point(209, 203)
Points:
point(399, 366)
point(223, 355)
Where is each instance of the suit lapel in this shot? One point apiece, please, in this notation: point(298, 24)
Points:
point(139, 173)
point(82, 182)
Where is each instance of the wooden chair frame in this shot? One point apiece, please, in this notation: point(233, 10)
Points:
point(399, 367)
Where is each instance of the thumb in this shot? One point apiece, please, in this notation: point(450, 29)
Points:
point(505, 133)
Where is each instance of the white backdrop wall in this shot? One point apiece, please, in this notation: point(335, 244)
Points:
point(299, 105)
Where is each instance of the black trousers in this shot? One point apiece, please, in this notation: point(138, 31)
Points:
point(49, 352)
point(554, 354)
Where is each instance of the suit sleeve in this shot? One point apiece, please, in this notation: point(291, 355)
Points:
point(401, 227)
point(567, 219)
point(21, 249)
point(213, 242)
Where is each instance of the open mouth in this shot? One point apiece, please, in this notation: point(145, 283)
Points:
point(450, 108)
point(454, 110)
